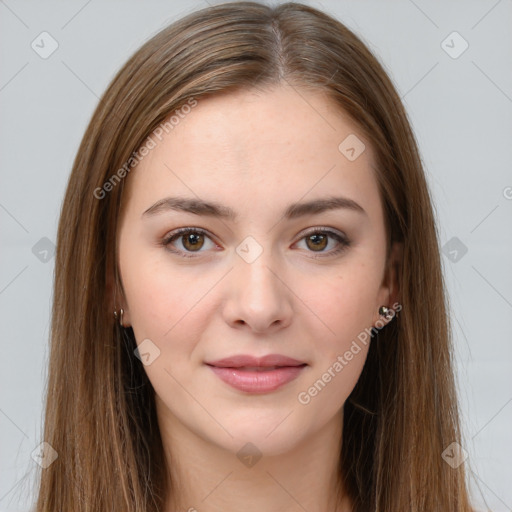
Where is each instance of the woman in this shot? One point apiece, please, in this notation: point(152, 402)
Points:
point(203, 357)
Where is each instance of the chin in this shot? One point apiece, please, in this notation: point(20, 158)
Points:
point(269, 437)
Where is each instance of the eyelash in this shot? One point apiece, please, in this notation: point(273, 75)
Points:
point(342, 240)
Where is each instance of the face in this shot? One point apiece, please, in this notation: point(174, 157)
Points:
point(254, 275)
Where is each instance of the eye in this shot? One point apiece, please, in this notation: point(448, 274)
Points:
point(317, 239)
point(192, 240)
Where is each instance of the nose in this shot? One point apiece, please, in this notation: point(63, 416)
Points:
point(258, 296)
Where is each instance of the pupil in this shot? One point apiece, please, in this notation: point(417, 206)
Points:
point(318, 240)
point(192, 239)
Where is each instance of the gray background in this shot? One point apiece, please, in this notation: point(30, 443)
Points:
point(461, 110)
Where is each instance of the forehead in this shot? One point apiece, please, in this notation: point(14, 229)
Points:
point(250, 146)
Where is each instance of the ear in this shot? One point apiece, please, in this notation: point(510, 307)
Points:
point(389, 294)
point(116, 299)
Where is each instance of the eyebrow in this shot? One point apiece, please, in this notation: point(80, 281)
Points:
point(214, 209)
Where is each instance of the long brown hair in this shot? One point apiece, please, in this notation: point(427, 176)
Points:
point(100, 412)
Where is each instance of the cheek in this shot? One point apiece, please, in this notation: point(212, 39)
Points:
point(343, 303)
point(163, 299)
point(343, 309)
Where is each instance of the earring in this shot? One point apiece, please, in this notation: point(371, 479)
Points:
point(385, 312)
point(121, 311)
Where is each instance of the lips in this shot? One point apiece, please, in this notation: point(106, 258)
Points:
point(257, 375)
point(247, 361)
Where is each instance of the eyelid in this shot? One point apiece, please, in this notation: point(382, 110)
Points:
point(324, 229)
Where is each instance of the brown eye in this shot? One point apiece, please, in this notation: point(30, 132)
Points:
point(317, 241)
point(193, 241)
point(188, 241)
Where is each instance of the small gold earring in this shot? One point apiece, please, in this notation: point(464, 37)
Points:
point(121, 311)
point(385, 312)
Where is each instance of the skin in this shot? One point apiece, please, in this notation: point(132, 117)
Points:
point(256, 152)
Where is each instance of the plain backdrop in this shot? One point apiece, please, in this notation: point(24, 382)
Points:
point(451, 63)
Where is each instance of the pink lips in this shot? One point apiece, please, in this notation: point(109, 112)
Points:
point(257, 375)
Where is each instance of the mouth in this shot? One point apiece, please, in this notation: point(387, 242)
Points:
point(257, 379)
point(250, 361)
point(258, 368)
